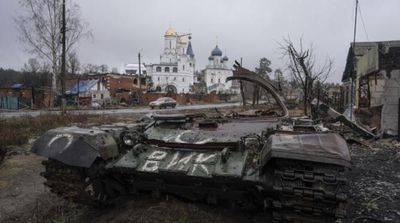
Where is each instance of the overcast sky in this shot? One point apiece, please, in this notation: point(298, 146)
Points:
point(247, 29)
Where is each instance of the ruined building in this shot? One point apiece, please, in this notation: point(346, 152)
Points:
point(377, 82)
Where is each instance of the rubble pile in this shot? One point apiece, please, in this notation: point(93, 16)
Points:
point(374, 182)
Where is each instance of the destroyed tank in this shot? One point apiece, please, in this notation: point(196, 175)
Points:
point(237, 159)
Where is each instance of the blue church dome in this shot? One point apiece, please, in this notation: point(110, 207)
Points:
point(210, 58)
point(225, 58)
point(216, 52)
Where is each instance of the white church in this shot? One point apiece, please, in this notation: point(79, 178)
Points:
point(216, 73)
point(175, 72)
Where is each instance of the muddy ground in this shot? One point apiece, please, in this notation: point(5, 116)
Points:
point(374, 192)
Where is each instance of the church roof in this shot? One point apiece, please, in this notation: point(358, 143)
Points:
point(189, 50)
point(170, 32)
point(216, 51)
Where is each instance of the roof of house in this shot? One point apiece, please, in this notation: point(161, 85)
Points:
point(83, 86)
point(384, 52)
point(17, 85)
point(349, 65)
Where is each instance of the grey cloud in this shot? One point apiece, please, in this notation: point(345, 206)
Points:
point(248, 29)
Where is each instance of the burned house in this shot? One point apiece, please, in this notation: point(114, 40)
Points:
point(376, 71)
point(113, 88)
point(93, 89)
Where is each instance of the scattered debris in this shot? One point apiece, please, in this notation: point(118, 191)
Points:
point(336, 116)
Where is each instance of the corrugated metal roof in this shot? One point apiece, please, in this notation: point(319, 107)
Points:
point(83, 86)
point(18, 85)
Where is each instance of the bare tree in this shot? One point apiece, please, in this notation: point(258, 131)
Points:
point(263, 70)
point(73, 64)
point(40, 30)
point(32, 66)
point(302, 64)
point(103, 68)
point(279, 79)
point(114, 70)
point(91, 68)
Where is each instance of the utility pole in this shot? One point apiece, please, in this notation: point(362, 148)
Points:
point(140, 80)
point(63, 59)
point(241, 86)
point(353, 71)
point(140, 73)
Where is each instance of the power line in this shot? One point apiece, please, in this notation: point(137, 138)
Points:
point(363, 23)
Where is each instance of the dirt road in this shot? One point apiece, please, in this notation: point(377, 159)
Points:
point(141, 110)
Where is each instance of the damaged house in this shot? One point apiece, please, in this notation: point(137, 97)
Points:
point(376, 83)
point(94, 90)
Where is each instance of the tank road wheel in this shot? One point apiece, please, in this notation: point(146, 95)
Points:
point(81, 185)
point(308, 192)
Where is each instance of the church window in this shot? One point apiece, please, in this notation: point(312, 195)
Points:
point(166, 78)
point(174, 78)
point(183, 67)
point(183, 79)
point(175, 69)
point(170, 44)
point(158, 78)
point(212, 80)
point(166, 69)
point(158, 69)
point(219, 80)
point(190, 64)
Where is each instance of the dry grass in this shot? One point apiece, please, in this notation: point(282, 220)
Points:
point(18, 130)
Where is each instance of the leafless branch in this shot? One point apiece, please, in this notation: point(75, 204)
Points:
point(302, 64)
point(40, 30)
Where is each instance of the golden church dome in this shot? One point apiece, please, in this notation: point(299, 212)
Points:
point(170, 32)
point(183, 39)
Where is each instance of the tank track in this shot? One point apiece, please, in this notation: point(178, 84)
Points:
point(74, 184)
point(308, 192)
point(302, 191)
